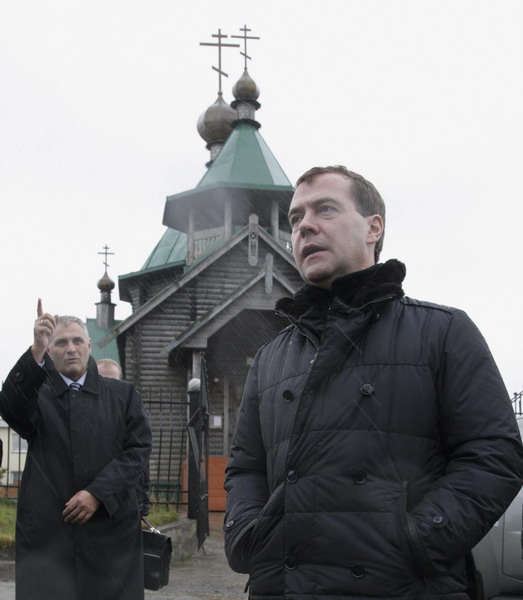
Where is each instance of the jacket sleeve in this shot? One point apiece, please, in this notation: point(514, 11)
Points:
point(19, 395)
point(245, 476)
point(112, 483)
point(484, 458)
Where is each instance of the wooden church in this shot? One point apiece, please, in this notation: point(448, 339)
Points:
point(207, 292)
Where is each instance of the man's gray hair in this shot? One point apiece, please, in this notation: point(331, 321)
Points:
point(66, 320)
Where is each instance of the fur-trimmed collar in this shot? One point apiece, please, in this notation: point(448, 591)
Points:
point(356, 289)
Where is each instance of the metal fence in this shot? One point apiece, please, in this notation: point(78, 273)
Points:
point(198, 430)
point(13, 462)
point(517, 403)
point(168, 461)
point(166, 480)
point(174, 476)
point(168, 472)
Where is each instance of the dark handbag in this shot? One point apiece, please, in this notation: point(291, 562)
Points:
point(157, 550)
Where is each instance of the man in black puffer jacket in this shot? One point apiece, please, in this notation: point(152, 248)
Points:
point(376, 443)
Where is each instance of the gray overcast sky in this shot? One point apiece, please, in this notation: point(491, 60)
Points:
point(99, 101)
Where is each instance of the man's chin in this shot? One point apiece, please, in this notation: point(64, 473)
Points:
point(319, 279)
point(73, 372)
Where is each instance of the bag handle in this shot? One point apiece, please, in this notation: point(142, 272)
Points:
point(151, 528)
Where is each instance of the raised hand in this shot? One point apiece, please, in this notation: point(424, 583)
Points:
point(43, 331)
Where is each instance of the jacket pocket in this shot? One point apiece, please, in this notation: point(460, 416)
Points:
point(264, 523)
point(409, 538)
point(236, 541)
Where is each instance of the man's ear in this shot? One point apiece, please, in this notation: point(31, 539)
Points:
point(376, 228)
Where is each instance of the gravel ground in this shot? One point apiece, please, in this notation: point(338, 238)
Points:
point(204, 577)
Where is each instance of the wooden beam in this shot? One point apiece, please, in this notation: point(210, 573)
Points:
point(194, 272)
point(219, 308)
point(172, 288)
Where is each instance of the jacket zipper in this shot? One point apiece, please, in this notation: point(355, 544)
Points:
point(378, 300)
point(302, 332)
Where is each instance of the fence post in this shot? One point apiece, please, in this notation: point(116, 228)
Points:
point(195, 448)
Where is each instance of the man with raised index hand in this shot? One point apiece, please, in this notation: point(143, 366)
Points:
point(78, 532)
point(375, 443)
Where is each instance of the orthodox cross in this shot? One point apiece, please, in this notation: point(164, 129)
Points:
point(106, 253)
point(245, 37)
point(219, 44)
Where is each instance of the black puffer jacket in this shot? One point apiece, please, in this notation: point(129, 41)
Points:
point(375, 446)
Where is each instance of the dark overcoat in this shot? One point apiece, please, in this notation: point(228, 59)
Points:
point(375, 446)
point(97, 439)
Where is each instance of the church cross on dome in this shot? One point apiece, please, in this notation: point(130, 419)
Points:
point(219, 44)
point(245, 37)
point(106, 253)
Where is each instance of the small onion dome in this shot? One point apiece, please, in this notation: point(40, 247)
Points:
point(245, 89)
point(215, 124)
point(106, 284)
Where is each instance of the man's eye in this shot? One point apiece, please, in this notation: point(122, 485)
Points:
point(295, 220)
point(325, 208)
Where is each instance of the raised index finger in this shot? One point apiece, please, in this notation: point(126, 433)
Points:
point(39, 309)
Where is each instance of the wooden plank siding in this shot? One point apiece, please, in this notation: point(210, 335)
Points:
point(234, 340)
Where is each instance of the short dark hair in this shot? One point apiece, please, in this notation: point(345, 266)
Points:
point(367, 198)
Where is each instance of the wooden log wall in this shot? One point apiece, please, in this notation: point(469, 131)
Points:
point(159, 376)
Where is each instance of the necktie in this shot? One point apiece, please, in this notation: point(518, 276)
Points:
point(75, 386)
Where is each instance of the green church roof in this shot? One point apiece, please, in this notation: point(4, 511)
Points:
point(245, 171)
point(97, 334)
point(170, 250)
point(245, 161)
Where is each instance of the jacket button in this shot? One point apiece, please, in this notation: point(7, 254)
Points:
point(292, 476)
point(290, 563)
point(438, 520)
point(360, 477)
point(366, 388)
point(288, 396)
point(357, 571)
point(229, 524)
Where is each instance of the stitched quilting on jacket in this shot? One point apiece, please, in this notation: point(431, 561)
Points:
point(375, 446)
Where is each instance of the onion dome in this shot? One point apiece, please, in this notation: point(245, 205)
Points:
point(215, 124)
point(245, 89)
point(105, 284)
point(246, 103)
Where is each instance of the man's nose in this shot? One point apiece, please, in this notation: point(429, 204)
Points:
point(307, 224)
point(71, 347)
